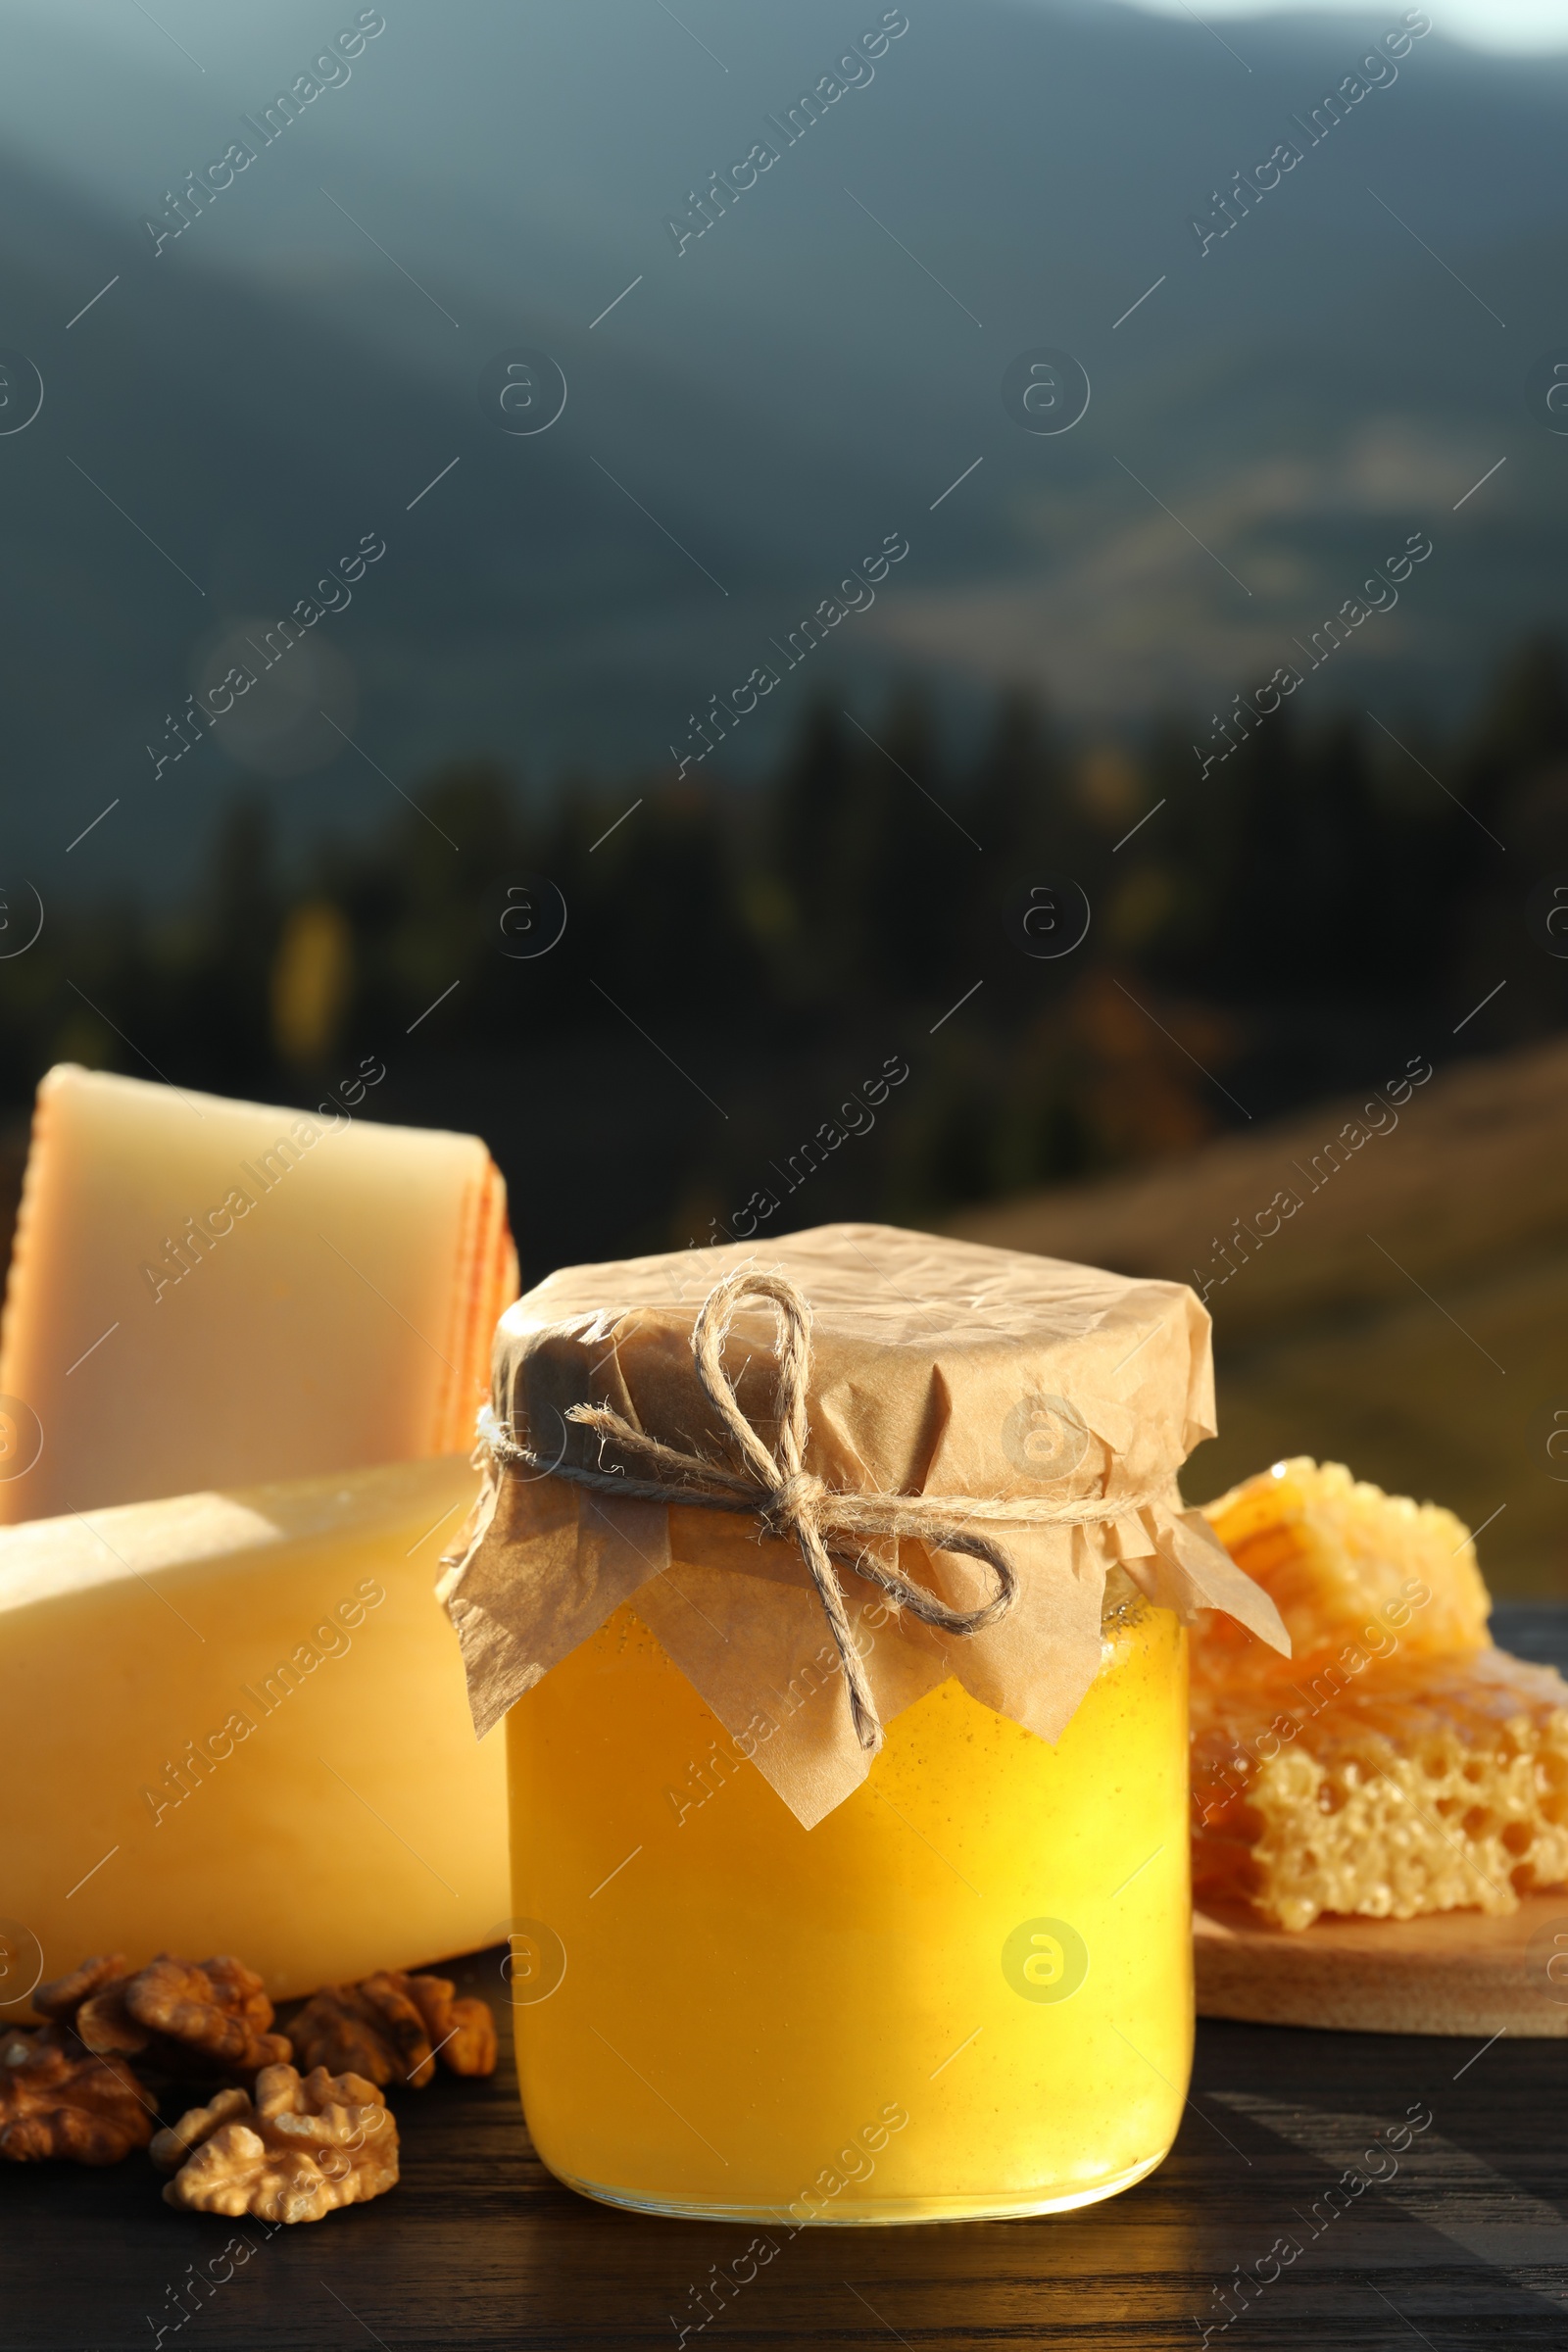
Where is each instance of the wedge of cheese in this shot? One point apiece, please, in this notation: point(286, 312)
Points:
point(238, 1723)
point(205, 1292)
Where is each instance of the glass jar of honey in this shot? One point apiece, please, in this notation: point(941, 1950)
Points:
point(965, 1993)
point(835, 1609)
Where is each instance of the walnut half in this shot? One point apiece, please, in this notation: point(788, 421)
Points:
point(54, 2103)
point(177, 2017)
point(296, 2152)
point(392, 2028)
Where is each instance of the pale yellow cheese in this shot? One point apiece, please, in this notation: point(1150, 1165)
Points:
point(238, 1723)
point(205, 1292)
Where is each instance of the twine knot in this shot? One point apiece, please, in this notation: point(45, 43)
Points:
point(789, 1500)
point(799, 1497)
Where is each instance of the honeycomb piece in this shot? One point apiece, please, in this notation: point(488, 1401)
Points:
point(1423, 1785)
point(1398, 1763)
point(1350, 1569)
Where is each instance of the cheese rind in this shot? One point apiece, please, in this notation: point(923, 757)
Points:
point(238, 1722)
point(205, 1294)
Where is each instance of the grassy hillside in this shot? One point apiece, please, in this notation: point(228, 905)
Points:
point(1410, 1315)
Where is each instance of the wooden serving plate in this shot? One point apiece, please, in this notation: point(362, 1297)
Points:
point(1455, 1973)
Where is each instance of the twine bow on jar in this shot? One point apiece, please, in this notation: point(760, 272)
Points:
point(791, 1501)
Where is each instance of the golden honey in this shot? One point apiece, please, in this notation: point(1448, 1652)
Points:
point(966, 1992)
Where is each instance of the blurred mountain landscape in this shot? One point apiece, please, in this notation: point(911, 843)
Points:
point(700, 1013)
point(795, 976)
point(758, 410)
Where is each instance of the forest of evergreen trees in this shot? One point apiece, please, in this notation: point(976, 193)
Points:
point(735, 958)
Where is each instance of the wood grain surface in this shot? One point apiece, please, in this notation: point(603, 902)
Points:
point(1457, 1972)
point(1462, 2240)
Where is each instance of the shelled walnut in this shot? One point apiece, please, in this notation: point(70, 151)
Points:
point(171, 2146)
point(54, 2103)
point(392, 2028)
point(61, 1998)
point(177, 2017)
point(294, 2153)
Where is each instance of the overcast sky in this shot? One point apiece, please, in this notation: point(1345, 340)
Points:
point(1519, 26)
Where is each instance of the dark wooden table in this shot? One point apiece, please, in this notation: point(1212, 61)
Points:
point(1465, 2244)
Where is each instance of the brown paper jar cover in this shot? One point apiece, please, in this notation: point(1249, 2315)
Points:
point(938, 1368)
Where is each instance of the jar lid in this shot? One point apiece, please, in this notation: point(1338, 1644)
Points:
point(950, 1402)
